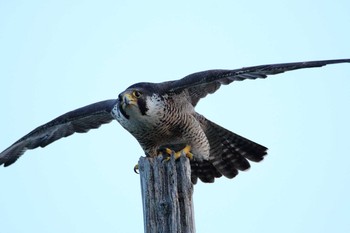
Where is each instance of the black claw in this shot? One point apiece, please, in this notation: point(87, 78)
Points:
point(166, 157)
point(165, 153)
point(136, 168)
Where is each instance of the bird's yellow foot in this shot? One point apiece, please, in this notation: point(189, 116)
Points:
point(166, 153)
point(136, 169)
point(186, 151)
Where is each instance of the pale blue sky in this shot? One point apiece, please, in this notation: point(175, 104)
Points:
point(56, 56)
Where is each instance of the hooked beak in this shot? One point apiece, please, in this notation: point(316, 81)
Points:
point(127, 99)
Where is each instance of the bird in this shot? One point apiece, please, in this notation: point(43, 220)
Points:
point(162, 117)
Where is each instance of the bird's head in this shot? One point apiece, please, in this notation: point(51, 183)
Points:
point(137, 100)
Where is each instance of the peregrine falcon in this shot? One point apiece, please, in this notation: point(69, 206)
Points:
point(162, 115)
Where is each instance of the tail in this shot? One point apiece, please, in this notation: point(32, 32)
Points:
point(229, 153)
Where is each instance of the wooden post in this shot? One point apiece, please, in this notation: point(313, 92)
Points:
point(167, 195)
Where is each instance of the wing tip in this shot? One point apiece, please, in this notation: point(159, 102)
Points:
point(11, 154)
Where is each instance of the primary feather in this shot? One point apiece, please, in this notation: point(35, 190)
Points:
point(163, 114)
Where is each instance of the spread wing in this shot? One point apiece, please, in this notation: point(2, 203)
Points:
point(202, 83)
point(77, 121)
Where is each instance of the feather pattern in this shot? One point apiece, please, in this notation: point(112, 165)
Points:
point(159, 114)
point(229, 153)
point(78, 121)
point(200, 84)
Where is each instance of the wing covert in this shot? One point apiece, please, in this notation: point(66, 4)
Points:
point(80, 120)
point(206, 82)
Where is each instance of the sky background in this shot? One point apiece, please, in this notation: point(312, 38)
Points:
point(56, 56)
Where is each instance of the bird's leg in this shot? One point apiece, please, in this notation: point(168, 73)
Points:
point(167, 153)
point(186, 151)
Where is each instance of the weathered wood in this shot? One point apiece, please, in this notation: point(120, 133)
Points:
point(167, 195)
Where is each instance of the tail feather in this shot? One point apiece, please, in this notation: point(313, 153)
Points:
point(229, 152)
point(203, 170)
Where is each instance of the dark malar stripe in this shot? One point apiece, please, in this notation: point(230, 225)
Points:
point(141, 102)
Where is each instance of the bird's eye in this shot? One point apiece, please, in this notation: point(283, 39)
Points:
point(137, 94)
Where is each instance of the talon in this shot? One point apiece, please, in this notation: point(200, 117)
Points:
point(177, 155)
point(187, 152)
point(166, 153)
point(189, 155)
point(136, 168)
point(169, 151)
